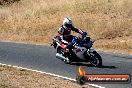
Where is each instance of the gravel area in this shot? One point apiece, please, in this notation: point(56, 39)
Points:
point(11, 77)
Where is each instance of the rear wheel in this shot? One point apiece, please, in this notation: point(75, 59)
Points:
point(95, 59)
point(61, 51)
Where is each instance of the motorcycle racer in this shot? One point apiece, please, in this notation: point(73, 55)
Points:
point(72, 48)
point(64, 33)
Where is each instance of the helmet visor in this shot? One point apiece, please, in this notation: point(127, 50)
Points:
point(68, 25)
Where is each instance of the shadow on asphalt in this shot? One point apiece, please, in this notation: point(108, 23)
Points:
point(111, 67)
point(90, 65)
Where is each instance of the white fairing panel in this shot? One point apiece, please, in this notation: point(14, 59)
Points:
point(91, 50)
point(79, 51)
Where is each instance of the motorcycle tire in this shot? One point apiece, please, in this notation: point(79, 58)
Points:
point(96, 58)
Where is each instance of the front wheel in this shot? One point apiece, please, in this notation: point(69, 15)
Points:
point(95, 59)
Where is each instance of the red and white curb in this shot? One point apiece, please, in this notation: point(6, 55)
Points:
point(51, 74)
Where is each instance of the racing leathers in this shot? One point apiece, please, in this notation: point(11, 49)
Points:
point(65, 37)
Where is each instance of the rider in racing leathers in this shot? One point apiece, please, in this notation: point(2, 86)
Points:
point(65, 33)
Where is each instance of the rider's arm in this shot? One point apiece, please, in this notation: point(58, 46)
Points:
point(77, 30)
point(61, 30)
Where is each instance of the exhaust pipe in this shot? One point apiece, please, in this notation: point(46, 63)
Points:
point(59, 56)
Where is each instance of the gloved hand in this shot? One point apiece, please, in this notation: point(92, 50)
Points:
point(84, 34)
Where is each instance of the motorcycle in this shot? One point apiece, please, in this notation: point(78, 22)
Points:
point(82, 51)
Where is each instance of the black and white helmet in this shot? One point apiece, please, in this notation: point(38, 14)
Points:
point(67, 22)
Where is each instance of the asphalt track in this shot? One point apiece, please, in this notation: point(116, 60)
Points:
point(42, 57)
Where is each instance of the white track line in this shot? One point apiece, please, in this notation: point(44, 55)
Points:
point(67, 78)
point(94, 85)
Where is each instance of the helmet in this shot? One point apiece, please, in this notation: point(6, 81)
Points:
point(67, 22)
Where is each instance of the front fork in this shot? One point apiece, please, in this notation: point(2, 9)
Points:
point(88, 54)
point(90, 51)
